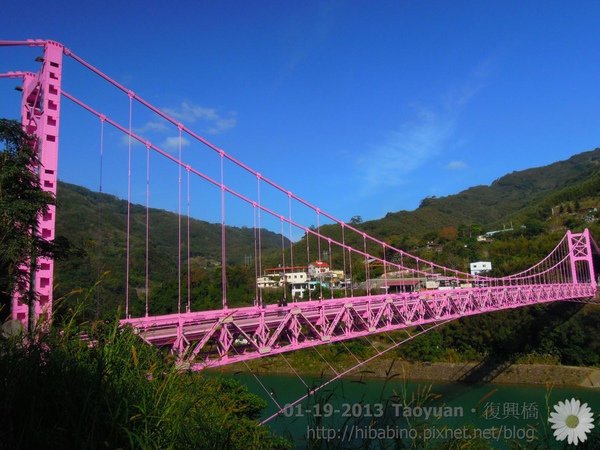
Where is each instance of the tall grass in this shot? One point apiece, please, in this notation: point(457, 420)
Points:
point(110, 390)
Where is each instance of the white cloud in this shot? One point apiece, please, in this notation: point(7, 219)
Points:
point(172, 143)
point(153, 125)
point(125, 140)
point(406, 150)
point(214, 121)
point(188, 113)
point(456, 165)
point(222, 125)
point(417, 141)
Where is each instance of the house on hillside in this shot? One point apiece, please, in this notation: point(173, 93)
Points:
point(295, 277)
point(269, 281)
point(480, 267)
point(318, 269)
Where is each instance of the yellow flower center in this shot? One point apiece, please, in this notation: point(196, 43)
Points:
point(572, 421)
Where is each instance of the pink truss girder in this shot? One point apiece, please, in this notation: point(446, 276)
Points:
point(219, 337)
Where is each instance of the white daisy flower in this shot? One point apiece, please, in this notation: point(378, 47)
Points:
point(572, 420)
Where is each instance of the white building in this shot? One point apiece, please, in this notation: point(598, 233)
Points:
point(318, 269)
point(480, 267)
point(298, 289)
point(267, 282)
point(294, 277)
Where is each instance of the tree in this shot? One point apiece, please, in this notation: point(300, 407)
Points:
point(448, 234)
point(533, 227)
point(430, 236)
point(476, 230)
point(356, 220)
point(22, 201)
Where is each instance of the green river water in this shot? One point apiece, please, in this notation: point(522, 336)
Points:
point(380, 414)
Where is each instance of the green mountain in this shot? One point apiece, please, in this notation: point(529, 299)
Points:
point(91, 232)
point(540, 203)
point(520, 195)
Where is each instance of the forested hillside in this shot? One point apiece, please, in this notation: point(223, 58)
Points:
point(519, 195)
point(91, 230)
point(541, 204)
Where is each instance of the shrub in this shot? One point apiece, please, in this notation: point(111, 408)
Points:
point(110, 390)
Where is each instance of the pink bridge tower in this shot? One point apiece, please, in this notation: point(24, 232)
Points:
point(581, 259)
point(40, 110)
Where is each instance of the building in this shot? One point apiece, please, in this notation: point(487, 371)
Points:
point(480, 267)
point(337, 276)
point(294, 277)
point(275, 280)
point(318, 269)
point(299, 289)
point(301, 279)
point(391, 286)
point(402, 285)
point(267, 282)
point(285, 269)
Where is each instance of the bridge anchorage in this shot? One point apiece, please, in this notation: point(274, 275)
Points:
point(204, 339)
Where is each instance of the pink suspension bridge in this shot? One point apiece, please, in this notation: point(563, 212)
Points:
point(205, 339)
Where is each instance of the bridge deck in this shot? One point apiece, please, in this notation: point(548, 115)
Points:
point(218, 337)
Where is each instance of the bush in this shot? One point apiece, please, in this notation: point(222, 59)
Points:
point(110, 390)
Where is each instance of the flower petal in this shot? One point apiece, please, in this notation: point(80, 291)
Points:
point(578, 437)
point(585, 407)
point(586, 411)
point(586, 428)
point(561, 433)
point(556, 418)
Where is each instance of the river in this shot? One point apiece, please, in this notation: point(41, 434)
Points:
point(378, 414)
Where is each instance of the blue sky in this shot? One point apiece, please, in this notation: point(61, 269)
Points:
point(359, 107)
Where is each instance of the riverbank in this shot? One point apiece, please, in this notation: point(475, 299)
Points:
point(534, 374)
